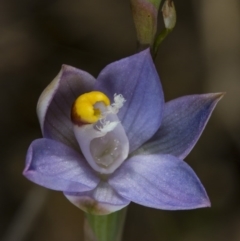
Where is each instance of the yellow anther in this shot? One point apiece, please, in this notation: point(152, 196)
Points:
point(84, 111)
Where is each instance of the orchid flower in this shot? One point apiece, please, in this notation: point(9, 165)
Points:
point(112, 140)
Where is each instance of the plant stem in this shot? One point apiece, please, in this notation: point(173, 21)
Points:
point(105, 227)
point(159, 40)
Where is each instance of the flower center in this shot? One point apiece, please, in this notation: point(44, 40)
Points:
point(99, 132)
point(105, 150)
point(84, 110)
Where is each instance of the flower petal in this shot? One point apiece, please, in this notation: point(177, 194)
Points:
point(184, 120)
point(137, 80)
point(54, 105)
point(56, 166)
point(159, 181)
point(100, 201)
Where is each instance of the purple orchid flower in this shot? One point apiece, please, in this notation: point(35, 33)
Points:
point(112, 140)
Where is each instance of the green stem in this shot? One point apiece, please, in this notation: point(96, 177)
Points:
point(105, 227)
point(159, 40)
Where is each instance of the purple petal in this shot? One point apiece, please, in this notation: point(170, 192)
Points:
point(184, 120)
point(100, 201)
point(56, 166)
point(137, 80)
point(159, 181)
point(54, 105)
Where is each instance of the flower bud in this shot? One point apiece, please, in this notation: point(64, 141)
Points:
point(169, 14)
point(145, 13)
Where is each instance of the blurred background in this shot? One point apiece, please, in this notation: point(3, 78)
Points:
point(201, 55)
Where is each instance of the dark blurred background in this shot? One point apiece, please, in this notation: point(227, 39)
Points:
point(201, 55)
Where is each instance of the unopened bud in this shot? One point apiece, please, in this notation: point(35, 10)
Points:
point(169, 14)
point(145, 14)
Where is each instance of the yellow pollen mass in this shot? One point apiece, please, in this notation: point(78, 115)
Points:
point(83, 109)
